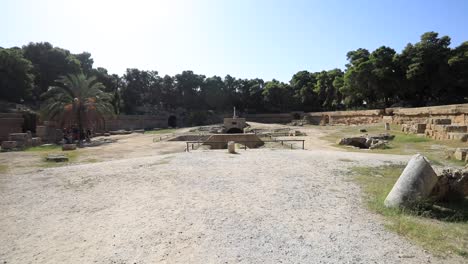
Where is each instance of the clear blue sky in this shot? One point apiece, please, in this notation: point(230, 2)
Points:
point(244, 38)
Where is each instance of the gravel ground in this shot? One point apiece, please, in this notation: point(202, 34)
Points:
point(258, 206)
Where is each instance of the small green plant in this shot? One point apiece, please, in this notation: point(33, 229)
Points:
point(441, 227)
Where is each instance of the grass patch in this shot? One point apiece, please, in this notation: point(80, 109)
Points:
point(403, 144)
point(44, 148)
point(441, 228)
point(161, 131)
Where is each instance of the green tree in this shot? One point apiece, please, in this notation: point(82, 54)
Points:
point(458, 63)
point(425, 65)
point(277, 96)
point(49, 64)
point(78, 100)
point(16, 79)
point(303, 85)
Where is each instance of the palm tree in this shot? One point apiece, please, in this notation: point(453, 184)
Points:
point(77, 99)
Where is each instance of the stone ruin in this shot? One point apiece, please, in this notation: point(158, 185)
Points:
point(419, 183)
point(20, 141)
point(439, 129)
point(367, 141)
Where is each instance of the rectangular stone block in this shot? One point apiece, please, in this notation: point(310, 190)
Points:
point(441, 121)
point(36, 141)
point(456, 129)
point(460, 153)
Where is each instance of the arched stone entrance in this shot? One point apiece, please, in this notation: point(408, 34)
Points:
point(234, 130)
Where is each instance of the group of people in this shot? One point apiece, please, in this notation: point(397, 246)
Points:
point(74, 134)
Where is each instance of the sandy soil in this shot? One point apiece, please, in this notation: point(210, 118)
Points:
point(140, 204)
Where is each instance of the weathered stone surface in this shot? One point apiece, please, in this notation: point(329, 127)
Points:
point(463, 137)
point(418, 128)
point(66, 147)
point(232, 147)
point(378, 145)
point(9, 145)
point(359, 142)
point(387, 126)
point(57, 157)
point(460, 153)
point(106, 134)
point(451, 185)
point(36, 141)
point(415, 183)
point(456, 129)
point(440, 121)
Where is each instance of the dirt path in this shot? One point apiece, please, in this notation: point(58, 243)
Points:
point(145, 202)
point(260, 206)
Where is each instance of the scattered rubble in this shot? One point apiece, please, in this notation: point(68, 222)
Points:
point(419, 182)
point(379, 141)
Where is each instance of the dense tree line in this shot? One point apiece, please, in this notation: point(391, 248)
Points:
point(428, 72)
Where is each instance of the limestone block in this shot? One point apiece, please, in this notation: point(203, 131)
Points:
point(460, 153)
point(66, 147)
point(415, 183)
point(456, 129)
point(57, 157)
point(8, 145)
point(41, 131)
point(36, 141)
point(232, 147)
point(18, 137)
point(440, 121)
point(463, 137)
point(387, 126)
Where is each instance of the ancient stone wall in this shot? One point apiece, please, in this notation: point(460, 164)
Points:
point(281, 118)
point(344, 117)
point(131, 122)
point(458, 114)
point(10, 123)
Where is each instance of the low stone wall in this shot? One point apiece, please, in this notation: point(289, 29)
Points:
point(458, 114)
point(220, 141)
point(131, 122)
point(10, 123)
point(344, 117)
point(270, 118)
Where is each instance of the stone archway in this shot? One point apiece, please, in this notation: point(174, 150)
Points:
point(234, 130)
point(172, 121)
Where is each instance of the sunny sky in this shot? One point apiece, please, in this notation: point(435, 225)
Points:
point(244, 38)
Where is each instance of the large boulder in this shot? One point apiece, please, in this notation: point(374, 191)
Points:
point(415, 183)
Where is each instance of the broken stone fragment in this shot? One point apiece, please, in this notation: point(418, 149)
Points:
point(451, 185)
point(57, 157)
